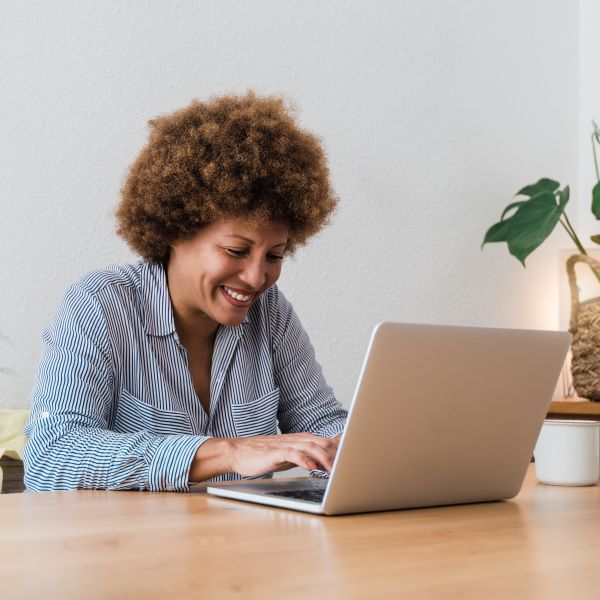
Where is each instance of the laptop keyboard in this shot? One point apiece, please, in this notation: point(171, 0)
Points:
point(307, 495)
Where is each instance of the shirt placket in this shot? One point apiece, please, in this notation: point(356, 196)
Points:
point(224, 351)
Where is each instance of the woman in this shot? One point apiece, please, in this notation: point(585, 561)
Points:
point(179, 368)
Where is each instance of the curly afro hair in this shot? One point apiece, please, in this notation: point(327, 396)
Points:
point(231, 156)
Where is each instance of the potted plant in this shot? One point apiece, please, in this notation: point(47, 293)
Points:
point(524, 225)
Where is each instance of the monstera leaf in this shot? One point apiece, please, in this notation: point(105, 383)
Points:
point(533, 219)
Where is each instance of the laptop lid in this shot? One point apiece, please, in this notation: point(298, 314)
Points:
point(444, 415)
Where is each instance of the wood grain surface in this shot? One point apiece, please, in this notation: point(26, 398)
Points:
point(101, 544)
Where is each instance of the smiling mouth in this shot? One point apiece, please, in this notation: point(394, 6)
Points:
point(236, 298)
point(237, 295)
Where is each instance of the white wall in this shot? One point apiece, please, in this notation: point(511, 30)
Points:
point(433, 114)
point(589, 109)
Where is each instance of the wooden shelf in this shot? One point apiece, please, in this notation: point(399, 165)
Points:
point(574, 408)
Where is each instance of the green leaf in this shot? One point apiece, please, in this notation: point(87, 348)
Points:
point(595, 238)
point(496, 233)
point(510, 206)
point(596, 200)
point(543, 185)
point(533, 222)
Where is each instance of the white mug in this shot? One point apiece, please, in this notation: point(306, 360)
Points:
point(568, 452)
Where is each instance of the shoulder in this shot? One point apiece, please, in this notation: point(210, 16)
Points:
point(103, 293)
point(113, 285)
point(279, 313)
point(110, 305)
point(115, 277)
point(275, 305)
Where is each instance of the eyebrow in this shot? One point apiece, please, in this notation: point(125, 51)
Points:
point(241, 237)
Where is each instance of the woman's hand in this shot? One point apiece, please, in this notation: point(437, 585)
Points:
point(262, 454)
point(258, 455)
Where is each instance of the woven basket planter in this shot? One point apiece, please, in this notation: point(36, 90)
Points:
point(585, 328)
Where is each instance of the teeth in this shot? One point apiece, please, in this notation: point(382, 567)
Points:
point(236, 295)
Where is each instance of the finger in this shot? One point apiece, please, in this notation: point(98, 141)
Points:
point(303, 452)
point(322, 450)
point(319, 450)
point(326, 443)
point(303, 460)
point(321, 455)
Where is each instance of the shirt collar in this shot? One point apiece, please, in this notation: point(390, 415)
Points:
point(156, 303)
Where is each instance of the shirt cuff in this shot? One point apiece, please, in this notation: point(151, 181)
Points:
point(169, 469)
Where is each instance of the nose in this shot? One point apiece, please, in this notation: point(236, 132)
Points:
point(254, 273)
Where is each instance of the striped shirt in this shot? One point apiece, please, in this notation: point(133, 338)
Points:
point(114, 406)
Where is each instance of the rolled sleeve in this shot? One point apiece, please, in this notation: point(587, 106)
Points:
point(170, 463)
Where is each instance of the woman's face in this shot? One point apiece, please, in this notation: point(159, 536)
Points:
point(222, 270)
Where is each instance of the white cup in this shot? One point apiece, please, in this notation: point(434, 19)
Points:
point(568, 452)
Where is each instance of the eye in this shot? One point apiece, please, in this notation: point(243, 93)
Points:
point(274, 257)
point(236, 252)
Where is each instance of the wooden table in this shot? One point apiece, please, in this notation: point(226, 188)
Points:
point(95, 544)
point(574, 408)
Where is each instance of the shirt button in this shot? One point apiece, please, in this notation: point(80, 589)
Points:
point(169, 487)
point(45, 414)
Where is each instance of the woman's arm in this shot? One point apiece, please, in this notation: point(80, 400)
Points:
point(69, 444)
point(307, 403)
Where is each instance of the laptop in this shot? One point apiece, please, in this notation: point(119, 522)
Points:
point(441, 415)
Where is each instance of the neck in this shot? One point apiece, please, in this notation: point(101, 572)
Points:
point(194, 331)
